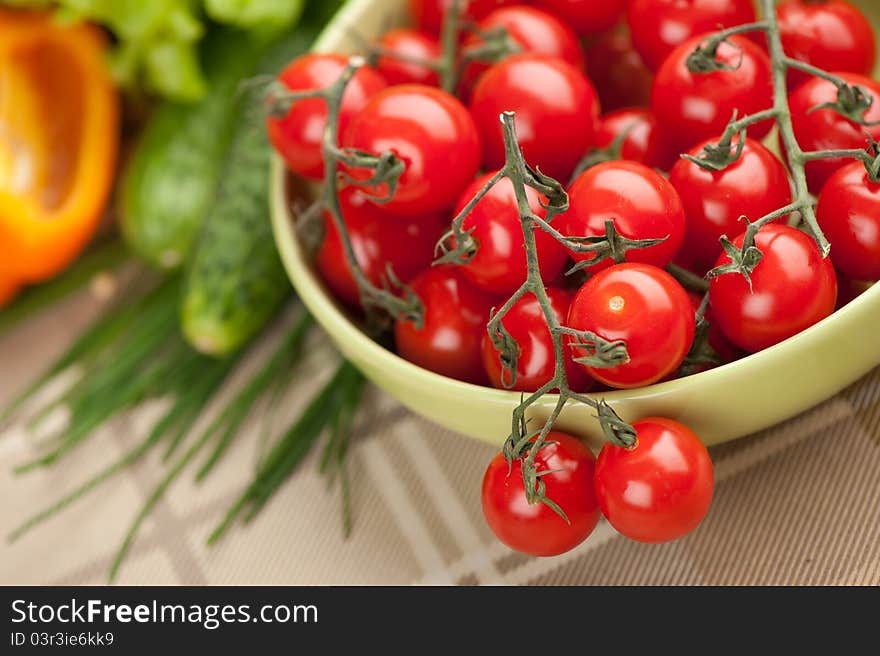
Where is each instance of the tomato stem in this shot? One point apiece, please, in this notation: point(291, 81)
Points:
point(852, 102)
point(394, 299)
point(450, 38)
point(687, 279)
point(613, 152)
point(599, 352)
point(495, 45)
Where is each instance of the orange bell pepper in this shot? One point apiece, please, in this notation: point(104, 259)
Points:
point(59, 134)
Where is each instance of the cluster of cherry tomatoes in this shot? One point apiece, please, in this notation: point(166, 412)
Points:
point(573, 57)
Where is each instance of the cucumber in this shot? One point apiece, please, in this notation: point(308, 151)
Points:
point(172, 176)
point(235, 281)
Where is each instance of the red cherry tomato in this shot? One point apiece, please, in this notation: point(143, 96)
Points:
point(429, 14)
point(832, 35)
point(456, 314)
point(826, 129)
point(645, 307)
point(641, 202)
point(660, 26)
point(537, 360)
point(407, 244)
point(499, 267)
point(692, 107)
point(432, 133)
point(714, 201)
point(534, 30)
point(587, 17)
point(642, 142)
point(618, 72)
point(409, 46)
point(849, 215)
point(661, 489)
point(793, 287)
point(537, 529)
point(555, 104)
point(297, 135)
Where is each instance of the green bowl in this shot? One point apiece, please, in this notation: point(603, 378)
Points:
point(719, 405)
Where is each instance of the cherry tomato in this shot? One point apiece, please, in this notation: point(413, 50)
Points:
point(646, 308)
point(618, 72)
point(642, 142)
point(555, 104)
point(849, 215)
point(408, 45)
point(714, 201)
point(537, 529)
point(432, 133)
point(456, 314)
point(827, 129)
point(499, 267)
point(692, 107)
point(297, 135)
point(793, 287)
point(587, 17)
point(832, 35)
point(661, 489)
point(535, 31)
point(660, 26)
point(429, 14)
point(641, 202)
point(407, 244)
point(536, 365)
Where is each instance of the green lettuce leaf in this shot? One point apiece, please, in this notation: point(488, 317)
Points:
point(257, 15)
point(156, 47)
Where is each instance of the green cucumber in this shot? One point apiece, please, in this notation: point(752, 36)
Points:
point(172, 176)
point(235, 280)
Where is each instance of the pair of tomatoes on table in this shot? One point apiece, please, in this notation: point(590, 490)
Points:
point(569, 58)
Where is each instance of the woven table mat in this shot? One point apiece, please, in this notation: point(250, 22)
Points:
point(797, 504)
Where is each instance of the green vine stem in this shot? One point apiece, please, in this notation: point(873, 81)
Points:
point(852, 102)
point(522, 443)
point(450, 38)
point(495, 44)
point(394, 299)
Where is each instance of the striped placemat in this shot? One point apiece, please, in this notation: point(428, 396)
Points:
point(797, 504)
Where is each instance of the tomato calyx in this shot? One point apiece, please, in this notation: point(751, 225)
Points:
point(611, 245)
point(742, 260)
point(852, 103)
point(717, 157)
point(457, 247)
point(508, 352)
point(494, 45)
point(386, 167)
point(600, 352)
point(704, 58)
point(523, 447)
point(872, 160)
point(616, 431)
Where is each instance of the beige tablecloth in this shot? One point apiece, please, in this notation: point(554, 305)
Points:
point(798, 504)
